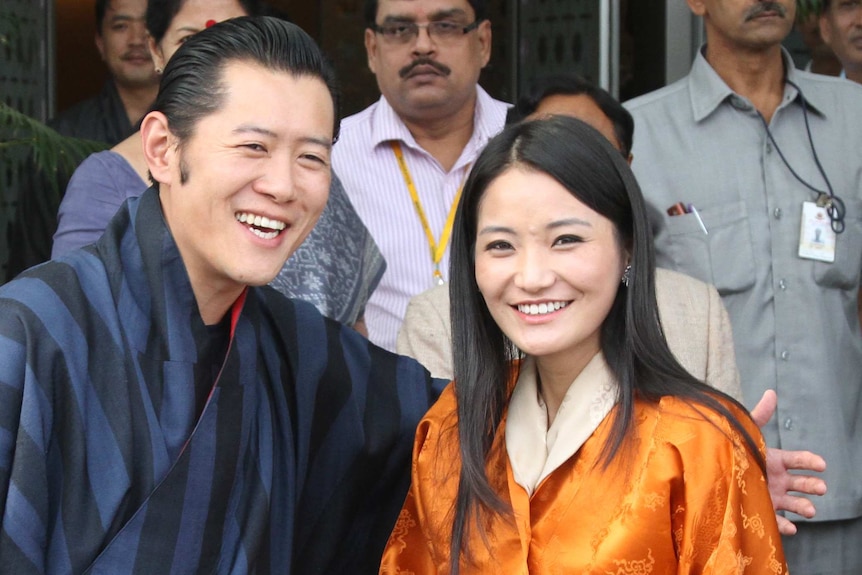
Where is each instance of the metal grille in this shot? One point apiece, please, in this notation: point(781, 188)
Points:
point(24, 72)
point(558, 37)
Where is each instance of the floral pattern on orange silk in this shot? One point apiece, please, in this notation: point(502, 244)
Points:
point(684, 498)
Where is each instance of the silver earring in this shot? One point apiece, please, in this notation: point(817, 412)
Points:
point(627, 275)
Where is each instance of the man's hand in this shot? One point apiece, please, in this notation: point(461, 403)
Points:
point(778, 465)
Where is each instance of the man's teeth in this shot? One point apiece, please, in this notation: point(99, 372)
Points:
point(261, 222)
point(542, 308)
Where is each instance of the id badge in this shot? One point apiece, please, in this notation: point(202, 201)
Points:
point(816, 237)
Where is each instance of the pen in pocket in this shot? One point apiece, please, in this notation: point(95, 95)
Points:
point(680, 208)
point(693, 210)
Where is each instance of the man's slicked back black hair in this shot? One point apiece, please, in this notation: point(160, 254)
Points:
point(192, 84)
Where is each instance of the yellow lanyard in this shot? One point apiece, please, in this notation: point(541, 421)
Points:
point(437, 249)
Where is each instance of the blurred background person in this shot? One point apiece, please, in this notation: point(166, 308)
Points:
point(112, 115)
point(822, 58)
point(336, 268)
point(841, 27)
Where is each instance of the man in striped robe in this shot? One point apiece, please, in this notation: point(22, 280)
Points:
point(160, 415)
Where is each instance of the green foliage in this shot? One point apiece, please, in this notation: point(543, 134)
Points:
point(50, 152)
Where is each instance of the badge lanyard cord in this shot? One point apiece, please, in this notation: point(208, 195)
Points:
point(833, 204)
point(437, 248)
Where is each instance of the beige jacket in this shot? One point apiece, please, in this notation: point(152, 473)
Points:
point(694, 319)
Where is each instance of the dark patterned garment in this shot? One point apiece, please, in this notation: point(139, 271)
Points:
point(338, 265)
point(293, 458)
point(102, 118)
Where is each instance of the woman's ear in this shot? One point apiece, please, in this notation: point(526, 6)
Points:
point(159, 146)
point(157, 55)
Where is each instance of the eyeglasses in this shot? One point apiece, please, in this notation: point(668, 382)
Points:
point(440, 30)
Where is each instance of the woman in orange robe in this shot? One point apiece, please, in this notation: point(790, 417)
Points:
point(596, 452)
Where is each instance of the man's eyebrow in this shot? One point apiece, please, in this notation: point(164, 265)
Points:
point(444, 14)
point(260, 130)
point(318, 141)
point(439, 15)
point(246, 128)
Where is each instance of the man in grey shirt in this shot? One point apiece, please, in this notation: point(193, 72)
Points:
point(750, 168)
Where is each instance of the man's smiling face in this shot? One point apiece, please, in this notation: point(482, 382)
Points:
point(247, 187)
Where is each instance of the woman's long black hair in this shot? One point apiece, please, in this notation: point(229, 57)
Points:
point(634, 346)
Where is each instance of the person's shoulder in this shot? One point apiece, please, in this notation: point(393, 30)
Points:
point(832, 94)
point(670, 281)
point(297, 319)
point(683, 421)
point(436, 297)
point(824, 82)
point(441, 419)
point(101, 173)
point(75, 119)
point(104, 160)
point(357, 122)
point(660, 98)
point(286, 309)
point(76, 280)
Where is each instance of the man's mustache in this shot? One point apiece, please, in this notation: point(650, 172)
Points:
point(761, 7)
point(408, 69)
point(135, 54)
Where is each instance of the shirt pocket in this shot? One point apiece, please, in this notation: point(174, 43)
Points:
point(843, 273)
point(723, 257)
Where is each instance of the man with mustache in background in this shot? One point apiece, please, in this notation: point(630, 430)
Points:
point(753, 175)
point(121, 38)
point(404, 159)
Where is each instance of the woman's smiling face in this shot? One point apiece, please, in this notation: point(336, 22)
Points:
point(548, 266)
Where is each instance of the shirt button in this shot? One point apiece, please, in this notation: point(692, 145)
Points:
point(768, 148)
point(776, 213)
point(788, 424)
point(785, 355)
point(783, 286)
point(738, 103)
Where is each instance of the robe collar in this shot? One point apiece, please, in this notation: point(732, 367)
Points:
point(536, 450)
point(149, 275)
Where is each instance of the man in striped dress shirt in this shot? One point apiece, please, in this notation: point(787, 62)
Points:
point(404, 159)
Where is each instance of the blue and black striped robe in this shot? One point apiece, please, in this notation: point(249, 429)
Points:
point(298, 463)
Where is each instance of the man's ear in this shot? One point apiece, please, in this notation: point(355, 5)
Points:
point(100, 45)
point(159, 146)
point(483, 33)
point(371, 49)
point(825, 29)
point(697, 6)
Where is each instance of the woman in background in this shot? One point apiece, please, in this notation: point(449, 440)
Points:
point(336, 268)
point(595, 451)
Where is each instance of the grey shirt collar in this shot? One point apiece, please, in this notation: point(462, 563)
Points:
point(708, 91)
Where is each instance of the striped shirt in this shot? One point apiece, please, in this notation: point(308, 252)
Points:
point(364, 159)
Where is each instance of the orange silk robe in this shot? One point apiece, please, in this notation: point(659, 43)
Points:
point(680, 498)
